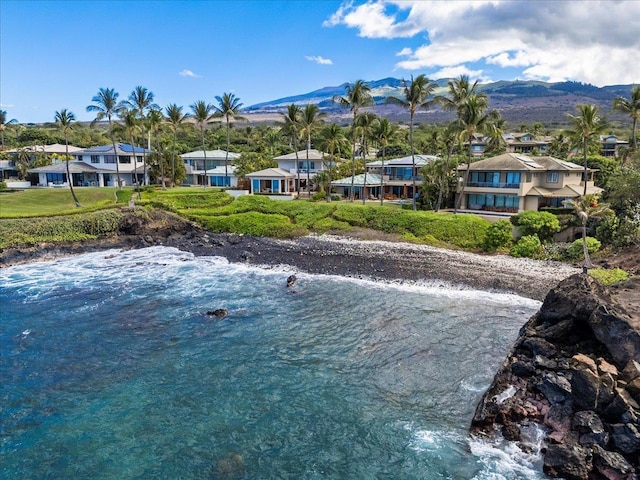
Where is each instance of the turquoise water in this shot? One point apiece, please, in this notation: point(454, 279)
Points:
point(111, 369)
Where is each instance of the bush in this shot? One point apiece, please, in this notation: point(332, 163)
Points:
point(528, 246)
point(3, 186)
point(254, 223)
point(575, 250)
point(609, 276)
point(499, 234)
point(542, 224)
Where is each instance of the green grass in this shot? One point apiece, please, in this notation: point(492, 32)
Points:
point(42, 202)
point(609, 276)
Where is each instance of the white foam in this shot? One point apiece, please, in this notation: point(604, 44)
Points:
point(504, 460)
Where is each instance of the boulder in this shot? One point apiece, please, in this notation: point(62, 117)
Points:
point(567, 461)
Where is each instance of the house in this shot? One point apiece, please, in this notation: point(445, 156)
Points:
point(272, 181)
point(96, 166)
point(526, 143)
point(303, 164)
point(53, 153)
point(514, 182)
point(397, 178)
point(610, 145)
point(194, 163)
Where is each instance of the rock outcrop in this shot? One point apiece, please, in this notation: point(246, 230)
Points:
point(574, 370)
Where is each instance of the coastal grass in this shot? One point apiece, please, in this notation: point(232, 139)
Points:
point(45, 202)
point(60, 228)
point(609, 276)
point(258, 215)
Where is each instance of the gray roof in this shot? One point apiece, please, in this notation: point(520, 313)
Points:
point(121, 149)
point(211, 155)
point(520, 162)
point(271, 173)
point(373, 179)
point(408, 161)
point(302, 155)
point(74, 167)
point(53, 148)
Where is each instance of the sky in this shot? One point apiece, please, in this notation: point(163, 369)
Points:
point(57, 54)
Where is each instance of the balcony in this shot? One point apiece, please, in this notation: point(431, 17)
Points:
point(493, 185)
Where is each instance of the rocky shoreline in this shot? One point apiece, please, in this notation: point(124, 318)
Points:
point(325, 254)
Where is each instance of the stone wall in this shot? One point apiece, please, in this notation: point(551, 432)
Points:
point(574, 370)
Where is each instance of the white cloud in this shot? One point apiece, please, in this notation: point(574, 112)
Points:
point(319, 60)
point(456, 71)
point(188, 73)
point(595, 42)
point(6, 105)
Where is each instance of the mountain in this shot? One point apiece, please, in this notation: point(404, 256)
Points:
point(519, 102)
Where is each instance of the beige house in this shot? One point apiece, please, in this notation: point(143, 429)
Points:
point(514, 182)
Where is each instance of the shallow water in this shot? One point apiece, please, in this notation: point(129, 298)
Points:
point(112, 369)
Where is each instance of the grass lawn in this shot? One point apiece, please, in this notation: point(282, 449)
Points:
point(36, 202)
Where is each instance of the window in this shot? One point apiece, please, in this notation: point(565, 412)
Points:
point(95, 158)
point(139, 159)
point(124, 159)
point(552, 177)
point(513, 179)
point(56, 178)
point(109, 159)
point(485, 179)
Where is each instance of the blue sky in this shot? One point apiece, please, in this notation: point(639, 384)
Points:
point(57, 54)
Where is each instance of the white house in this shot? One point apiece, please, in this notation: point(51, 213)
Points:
point(194, 163)
point(303, 164)
point(96, 166)
point(272, 181)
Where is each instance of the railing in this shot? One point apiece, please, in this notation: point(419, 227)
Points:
point(403, 178)
point(493, 185)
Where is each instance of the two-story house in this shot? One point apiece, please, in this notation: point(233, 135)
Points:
point(610, 145)
point(216, 173)
point(514, 182)
point(305, 165)
point(526, 143)
point(96, 166)
point(394, 181)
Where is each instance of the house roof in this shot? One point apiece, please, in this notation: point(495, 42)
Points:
point(302, 155)
point(211, 155)
point(420, 161)
point(121, 149)
point(53, 148)
point(219, 170)
point(373, 180)
point(74, 167)
point(564, 192)
point(520, 162)
point(271, 173)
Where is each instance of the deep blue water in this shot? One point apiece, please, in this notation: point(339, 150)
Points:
point(111, 369)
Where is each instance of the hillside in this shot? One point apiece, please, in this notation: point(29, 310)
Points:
point(519, 102)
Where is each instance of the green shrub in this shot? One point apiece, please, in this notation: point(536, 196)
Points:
point(528, 246)
point(3, 186)
point(556, 251)
point(499, 234)
point(318, 196)
point(254, 223)
point(542, 224)
point(609, 276)
point(575, 250)
point(123, 196)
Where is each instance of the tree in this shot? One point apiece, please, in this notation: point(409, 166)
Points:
point(365, 123)
point(156, 119)
point(4, 123)
point(632, 108)
point(358, 95)
point(459, 90)
point(291, 127)
point(105, 103)
point(333, 141)
point(416, 95)
point(130, 127)
point(472, 119)
point(202, 113)
point(310, 119)
point(228, 107)
point(141, 100)
point(384, 132)
point(584, 208)
point(64, 120)
point(586, 125)
point(174, 118)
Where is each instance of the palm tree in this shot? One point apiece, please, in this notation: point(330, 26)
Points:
point(291, 127)
point(175, 118)
point(271, 138)
point(130, 127)
point(4, 123)
point(310, 119)
point(416, 95)
point(472, 119)
point(64, 120)
point(141, 99)
point(384, 132)
point(632, 108)
point(105, 103)
point(587, 124)
point(365, 123)
point(333, 141)
point(459, 90)
point(156, 119)
point(358, 95)
point(202, 113)
point(229, 107)
point(584, 208)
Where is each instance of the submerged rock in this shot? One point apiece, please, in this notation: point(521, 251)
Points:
point(219, 312)
point(576, 366)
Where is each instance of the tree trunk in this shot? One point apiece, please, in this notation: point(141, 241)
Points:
point(204, 152)
point(113, 142)
point(585, 249)
point(586, 172)
point(226, 158)
point(69, 177)
point(413, 161)
point(381, 178)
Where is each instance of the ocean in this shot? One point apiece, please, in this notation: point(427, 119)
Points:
point(111, 368)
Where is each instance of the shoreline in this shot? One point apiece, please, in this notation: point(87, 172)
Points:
point(333, 255)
